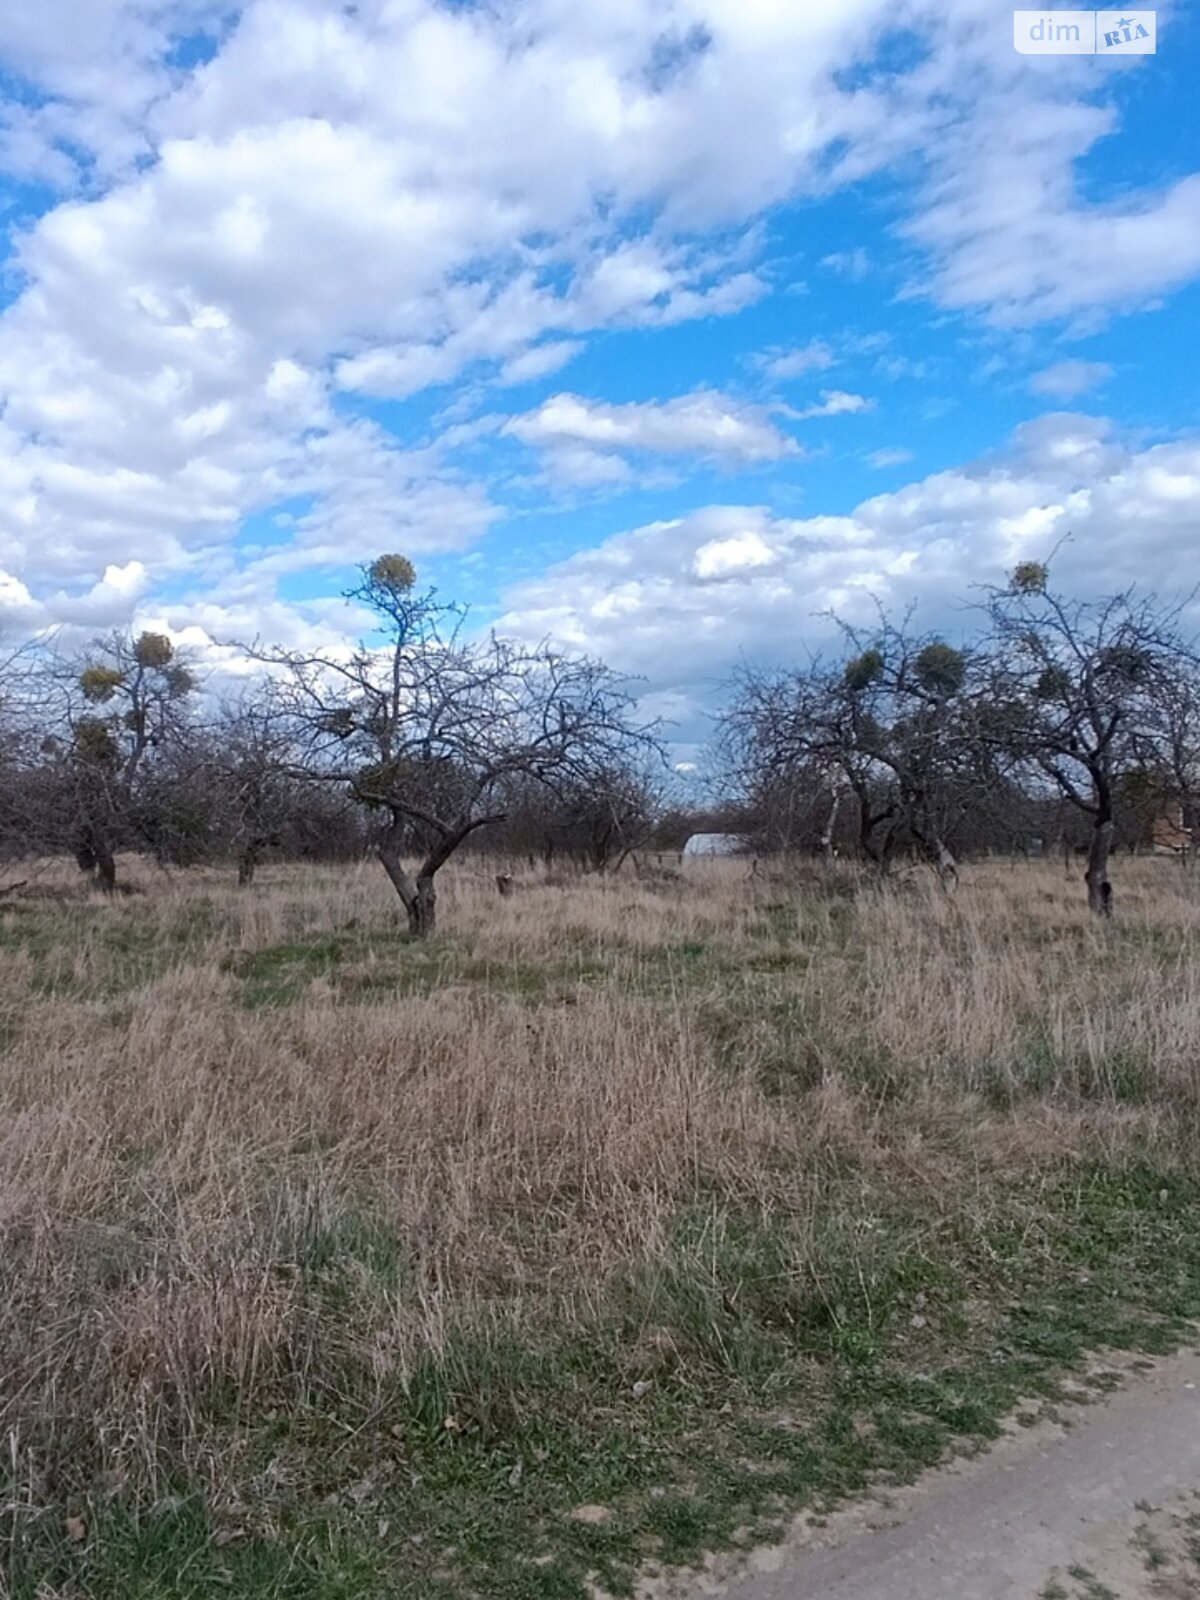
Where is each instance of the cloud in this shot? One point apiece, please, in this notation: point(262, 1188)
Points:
point(246, 253)
point(836, 403)
point(17, 605)
point(656, 283)
point(90, 75)
point(889, 456)
point(782, 365)
point(1067, 379)
point(106, 604)
point(589, 441)
point(539, 361)
point(682, 600)
point(853, 264)
point(746, 551)
point(1008, 233)
point(275, 230)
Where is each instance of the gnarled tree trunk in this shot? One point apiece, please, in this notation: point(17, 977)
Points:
point(835, 802)
point(1099, 890)
point(106, 867)
point(94, 853)
point(869, 820)
point(248, 863)
point(945, 866)
point(417, 893)
point(935, 850)
point(929, 839)
point(252, 851)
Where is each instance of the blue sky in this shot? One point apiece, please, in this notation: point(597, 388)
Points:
point(661, 328)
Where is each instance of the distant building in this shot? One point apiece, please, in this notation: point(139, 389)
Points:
point(715, 844)
point(1168, 834)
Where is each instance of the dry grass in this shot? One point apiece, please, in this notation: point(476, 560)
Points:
point(259, 1151)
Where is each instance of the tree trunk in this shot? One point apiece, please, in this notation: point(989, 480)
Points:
point(866, 830)
point(835, 802)
point(247, 862)
point(932, 846)
point(106, 867)
point(420, 919)
point(95, 856)
point(1099, 890)
point(254, 849)
point(945, 866)
point(868, 821)
point(418, 895)
point(422, 909)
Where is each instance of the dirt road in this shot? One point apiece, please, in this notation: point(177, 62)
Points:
point(1104, 1508)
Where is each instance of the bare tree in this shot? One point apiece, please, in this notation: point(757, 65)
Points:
point(1170, 748)
point(254, 794)
point(1077, 691)
point(890, 723)
point(780, 735)
point(907, 700)
point(107, 717)
point(427, 728)
point(23, 801)
point(597, 815)
point(835, 778)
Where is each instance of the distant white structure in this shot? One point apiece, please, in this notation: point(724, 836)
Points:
point(714, 844)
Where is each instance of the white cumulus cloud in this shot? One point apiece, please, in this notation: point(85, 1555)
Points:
point(586, 440)
point(1066, 380)
point(782, 365)
point(837, 403)
point(699, 592)
point(340, 204)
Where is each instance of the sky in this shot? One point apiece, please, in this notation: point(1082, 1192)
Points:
point(662, 329)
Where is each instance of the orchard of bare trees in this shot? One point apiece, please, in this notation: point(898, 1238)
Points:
point(1061, 724)
point(409, 744)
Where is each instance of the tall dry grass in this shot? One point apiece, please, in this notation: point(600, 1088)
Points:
point(489, 1128)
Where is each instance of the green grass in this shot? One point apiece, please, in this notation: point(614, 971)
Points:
point(178, 1551)
point(760, 1361)
point(777, 1376)
point(366, 965)
point(362, 964)
point(82, 951)
point(1089, 1586)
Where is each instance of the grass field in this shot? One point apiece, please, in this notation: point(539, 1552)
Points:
point(615, 1223)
